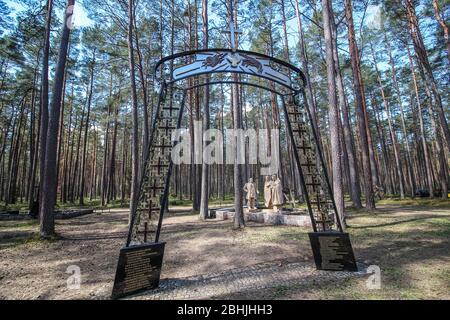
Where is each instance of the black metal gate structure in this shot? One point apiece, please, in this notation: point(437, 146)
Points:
point(141, 259)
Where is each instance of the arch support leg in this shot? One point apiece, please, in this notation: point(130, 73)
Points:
point(140, 261)
point(331, 247)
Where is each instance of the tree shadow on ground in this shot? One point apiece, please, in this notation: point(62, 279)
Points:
point(396, 252)
point(214, 247)
point(92, 236)
point(397, 222)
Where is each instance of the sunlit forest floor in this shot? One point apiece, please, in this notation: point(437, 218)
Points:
point(114, 204)
point(408, 239)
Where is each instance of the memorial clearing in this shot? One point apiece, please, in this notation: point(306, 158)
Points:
point(224, 149)
point(408, 241)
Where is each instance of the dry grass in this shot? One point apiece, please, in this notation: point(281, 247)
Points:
point(411, 246)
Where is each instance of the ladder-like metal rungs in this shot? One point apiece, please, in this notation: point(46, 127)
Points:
point(310, 168)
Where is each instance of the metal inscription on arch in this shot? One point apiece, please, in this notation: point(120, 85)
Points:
point(238, 62)
point(218, 61)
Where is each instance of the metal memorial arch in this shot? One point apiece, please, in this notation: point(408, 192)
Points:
point(140, 260)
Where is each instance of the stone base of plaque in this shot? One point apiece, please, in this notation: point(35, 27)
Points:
point(332, 251)
point(138, 269)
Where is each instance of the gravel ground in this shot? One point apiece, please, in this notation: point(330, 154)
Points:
point(210, 260)
point(244, 282)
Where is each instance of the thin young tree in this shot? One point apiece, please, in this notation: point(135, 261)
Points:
point(86, 127)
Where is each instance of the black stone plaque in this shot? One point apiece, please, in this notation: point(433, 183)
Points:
point(332, 251)
point(138, 269)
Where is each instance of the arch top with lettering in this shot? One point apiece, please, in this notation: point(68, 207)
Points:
point(218, 61)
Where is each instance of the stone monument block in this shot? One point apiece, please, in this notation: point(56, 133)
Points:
point(272, 218)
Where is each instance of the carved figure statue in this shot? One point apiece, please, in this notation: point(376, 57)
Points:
point(277, 193)
point(250, 188)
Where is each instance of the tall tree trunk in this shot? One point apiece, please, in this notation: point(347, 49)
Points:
point(422, 57)
point(47, 223)
point(135, 131)
point(360, 106)
point(206, 121)
point(237, 124)
point(34, 148)
point(388, 185)
point(197, 180)
point(144, 85)
point(439, 151)
point(373, 163)
point(44, 99)
point(124, 165)
point(304, 62)
point(349, 144)
point(398, 163)
point(104, 182)
point(274, 104)
point(76, 168)
point(64, 183)
point(428, 169)
point(14, 156)
point(443, 25)
point(222, 130)
point(86, 128)
point(285, 34)
point(61, 145)
point(333, 110)
point(94, 165)
point(411, 176)
point(112, 158)
point(69, 195)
